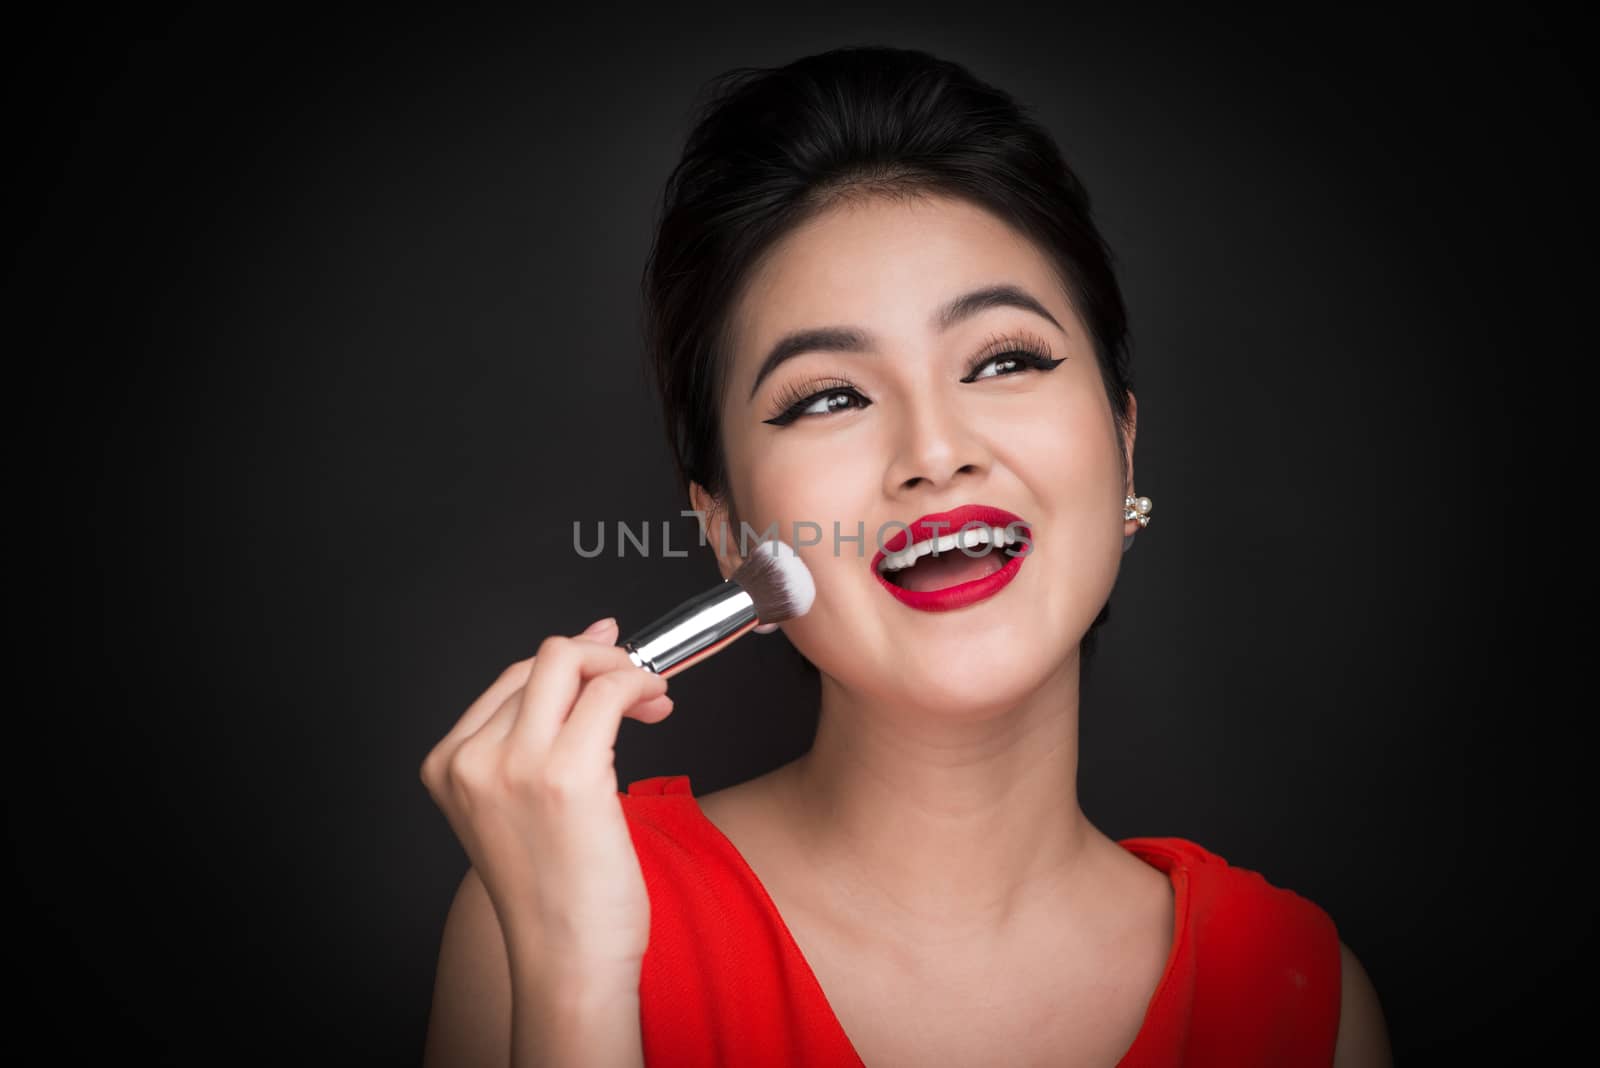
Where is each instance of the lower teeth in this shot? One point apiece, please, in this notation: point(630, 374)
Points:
point(897, 575)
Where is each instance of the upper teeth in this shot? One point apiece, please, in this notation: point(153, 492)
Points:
point(965, 538)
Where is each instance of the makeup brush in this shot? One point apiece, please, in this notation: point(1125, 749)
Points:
point(771, 587)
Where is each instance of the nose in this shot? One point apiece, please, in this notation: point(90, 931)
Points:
point(934, 446)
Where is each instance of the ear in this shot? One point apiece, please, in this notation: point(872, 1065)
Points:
point(1130, 526)
point(716, 528)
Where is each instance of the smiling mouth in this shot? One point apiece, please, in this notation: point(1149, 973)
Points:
point(951, 560)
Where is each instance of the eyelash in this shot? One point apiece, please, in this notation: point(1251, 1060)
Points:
point(1029, 351)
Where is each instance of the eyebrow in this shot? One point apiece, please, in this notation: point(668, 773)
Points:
point(854, 339)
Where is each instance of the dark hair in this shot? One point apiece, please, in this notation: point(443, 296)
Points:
point(772, 148)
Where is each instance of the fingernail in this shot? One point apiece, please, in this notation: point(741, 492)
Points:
point(600, 624)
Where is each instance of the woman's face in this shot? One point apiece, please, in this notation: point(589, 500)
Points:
point(922, 419)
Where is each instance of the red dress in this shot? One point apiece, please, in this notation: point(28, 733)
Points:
point(1252, 979)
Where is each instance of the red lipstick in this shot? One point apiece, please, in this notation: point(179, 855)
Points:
point(942, 524)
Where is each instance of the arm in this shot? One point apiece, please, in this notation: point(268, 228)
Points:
point(470, 1023)
point(483, 1018)
point(1363, 1040)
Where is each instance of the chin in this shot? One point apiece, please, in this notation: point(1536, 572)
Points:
point(968, 676)
point(971, 663)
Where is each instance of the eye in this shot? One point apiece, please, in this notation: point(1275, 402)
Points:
point(1001, 365)
point(1016, 355)
point(807, 400)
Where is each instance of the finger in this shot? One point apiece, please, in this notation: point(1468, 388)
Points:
point(597, 716)
point(562, 668)
point(491, 703)
point(498, 725)
point(511, 681)
point(654, 710)
point(603, 631)
point(505, 717)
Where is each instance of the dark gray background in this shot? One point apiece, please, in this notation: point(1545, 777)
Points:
point(327, 332)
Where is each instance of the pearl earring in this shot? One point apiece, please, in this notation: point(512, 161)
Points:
point(1137, 508)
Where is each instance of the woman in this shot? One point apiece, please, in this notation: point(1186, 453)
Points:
point(876, 297)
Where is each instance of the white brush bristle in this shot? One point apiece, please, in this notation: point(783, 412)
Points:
point(778, 581)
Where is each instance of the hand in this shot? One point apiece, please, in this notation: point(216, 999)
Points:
point(528, 781)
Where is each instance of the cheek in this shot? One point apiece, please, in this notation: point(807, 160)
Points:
point(806, 488)
point(1065, 453)
point(818, 480)
point(1066, 456)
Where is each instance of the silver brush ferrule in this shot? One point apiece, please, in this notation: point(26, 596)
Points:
point(694, 630)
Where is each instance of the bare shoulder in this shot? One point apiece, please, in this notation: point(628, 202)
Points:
point(747, 812)
point(756, 818)
point(1363, 1040)
point(470, 1021)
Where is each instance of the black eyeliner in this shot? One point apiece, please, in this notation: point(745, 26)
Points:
point(1037, 358)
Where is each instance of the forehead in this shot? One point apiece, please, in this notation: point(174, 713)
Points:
point(885, 265)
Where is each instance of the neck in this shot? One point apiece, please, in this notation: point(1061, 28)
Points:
point(930, 823)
